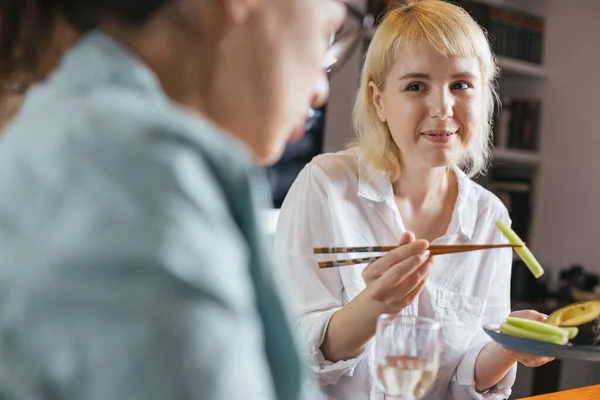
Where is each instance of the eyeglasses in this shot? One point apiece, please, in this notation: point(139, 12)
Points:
point(356, 26)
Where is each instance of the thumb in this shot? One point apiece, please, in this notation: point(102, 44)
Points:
point(407, 238)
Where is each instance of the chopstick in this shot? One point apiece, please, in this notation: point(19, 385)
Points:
point(433, 249)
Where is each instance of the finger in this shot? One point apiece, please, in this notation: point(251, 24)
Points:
point(509, 353)
point(411, 296)
point(519, 357)
point(529, 314)
point(536, 316)
point(539, 359)
point(414, 281)
point(404, 277)
point(406, 238)
point(534, 363)
point(413, 268)
point(399, 254)
point(530, 360)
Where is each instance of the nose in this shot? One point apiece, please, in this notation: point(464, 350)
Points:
point(335, 14)
point(441, 105)
point(321, 92)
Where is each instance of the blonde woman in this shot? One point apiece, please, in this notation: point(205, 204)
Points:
point(423, 116)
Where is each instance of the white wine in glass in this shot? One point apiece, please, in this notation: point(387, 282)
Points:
point(407, 355)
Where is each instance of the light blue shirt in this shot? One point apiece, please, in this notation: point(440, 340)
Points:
point(132, 264)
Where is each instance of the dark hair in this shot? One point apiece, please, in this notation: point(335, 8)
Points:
point(27, 27)
point(85, 14)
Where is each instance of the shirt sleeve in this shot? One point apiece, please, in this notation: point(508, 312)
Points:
point(142, 290)
point(497, 308)
point(304, 223)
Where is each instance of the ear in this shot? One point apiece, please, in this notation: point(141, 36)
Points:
point(377, 98)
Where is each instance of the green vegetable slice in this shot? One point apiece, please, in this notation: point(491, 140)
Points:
point(536, 326)
point(523, 252)
point(571, 331)
point(512, 330)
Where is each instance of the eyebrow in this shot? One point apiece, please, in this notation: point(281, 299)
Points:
point(420, 75)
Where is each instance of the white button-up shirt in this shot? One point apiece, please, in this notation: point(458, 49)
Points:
point(339, 200)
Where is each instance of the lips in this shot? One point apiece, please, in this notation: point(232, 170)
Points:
point(439, 136)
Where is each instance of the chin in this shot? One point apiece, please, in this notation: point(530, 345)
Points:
point(271, 156)
point(445, 157)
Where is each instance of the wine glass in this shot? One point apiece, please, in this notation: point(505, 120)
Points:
point(407, 352)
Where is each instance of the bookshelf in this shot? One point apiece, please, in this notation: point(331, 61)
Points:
point(516, 156)
point(517, 37)
point(513, 68)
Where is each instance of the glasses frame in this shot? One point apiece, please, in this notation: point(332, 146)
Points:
point(366, 21)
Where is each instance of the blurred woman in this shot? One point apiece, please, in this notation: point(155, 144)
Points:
point(133, 266)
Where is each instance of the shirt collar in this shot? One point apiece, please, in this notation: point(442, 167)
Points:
point(100, 61)
point(374, 185)
point(464, 216)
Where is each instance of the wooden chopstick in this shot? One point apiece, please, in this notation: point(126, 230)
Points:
point(433, 249)
point(437, 248)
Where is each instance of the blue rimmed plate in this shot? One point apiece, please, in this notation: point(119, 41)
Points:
point(568, 351)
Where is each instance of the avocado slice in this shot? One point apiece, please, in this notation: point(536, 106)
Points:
point(585, 316)
point(575, 314)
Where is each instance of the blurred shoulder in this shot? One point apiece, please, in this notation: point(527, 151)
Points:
point(338, 167)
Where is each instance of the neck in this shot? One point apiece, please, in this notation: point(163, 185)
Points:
point(423, 186)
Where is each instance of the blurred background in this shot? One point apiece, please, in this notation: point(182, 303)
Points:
point(546, 157)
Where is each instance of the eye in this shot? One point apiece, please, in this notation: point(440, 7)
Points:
point(415, 87)
point(461, 85)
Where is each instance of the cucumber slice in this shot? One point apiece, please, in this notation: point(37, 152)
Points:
point(511, 330)
point(571, 331)
point(523, 252)
point(536, 326)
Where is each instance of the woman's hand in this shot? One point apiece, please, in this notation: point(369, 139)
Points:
point(529, 360)
point(397, 278)
point(393, 282)
point(494, 361)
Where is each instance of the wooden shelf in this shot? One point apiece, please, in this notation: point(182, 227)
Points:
point(511, 67)
point(517, 156)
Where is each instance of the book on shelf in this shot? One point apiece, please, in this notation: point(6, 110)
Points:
point(517, 124)
point(512, 33)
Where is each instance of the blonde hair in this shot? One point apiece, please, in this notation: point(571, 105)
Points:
point(452, 32)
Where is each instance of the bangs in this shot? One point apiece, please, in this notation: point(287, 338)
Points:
point(447, 33)
point(449, 38)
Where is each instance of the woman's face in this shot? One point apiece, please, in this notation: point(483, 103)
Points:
point(269, 70)
point(433, 105)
